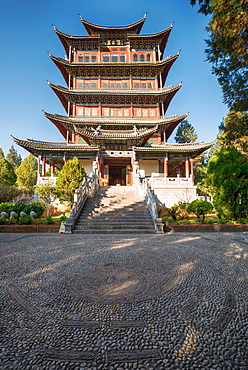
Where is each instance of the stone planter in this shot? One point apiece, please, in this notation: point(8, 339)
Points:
point(196, 228)
point(32, 228)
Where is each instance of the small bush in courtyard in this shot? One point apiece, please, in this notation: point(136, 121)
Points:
point(2, 220)
point(49, 220)
point(200, 208)
point(4, 207)
point(173, 211)
point(26, 220)
point(62, 218)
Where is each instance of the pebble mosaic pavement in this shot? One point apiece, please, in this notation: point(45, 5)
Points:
point(171, 301)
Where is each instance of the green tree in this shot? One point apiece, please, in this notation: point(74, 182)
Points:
point(200, 208)
point(227, 47)
point(234, 131)
point(200, 171)
point(27, 174)
point(49, 172)
point(47, 195)
point(226, 178)
point(1, 153)
point(7, 174)
point(14, 158)
point(69, 180)
point(7, 193)
point(185, 133)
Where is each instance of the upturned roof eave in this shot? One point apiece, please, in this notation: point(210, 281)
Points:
point(163, 37)
point(101, 135)
point(65, 38)
point(108, 121)
point(160, 63)
point(110, 92)
point(91, 28)
point(162, 67)
point(32, 145)
point(194, 149)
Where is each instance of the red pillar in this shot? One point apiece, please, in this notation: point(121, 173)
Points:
point(187, 168)
point(166, 167)
point(43, 166)
point(179, 170)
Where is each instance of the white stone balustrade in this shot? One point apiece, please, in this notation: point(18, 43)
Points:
point(46, 180)
point(158, 180)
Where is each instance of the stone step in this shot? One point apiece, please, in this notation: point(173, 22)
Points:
point(116, 222)
point(116, 217)
point(115, 210)
point(113, 227)
point(115, 231)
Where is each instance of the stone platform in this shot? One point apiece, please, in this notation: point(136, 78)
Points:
point(171, 301)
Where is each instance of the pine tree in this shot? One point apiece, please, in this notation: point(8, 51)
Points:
point(1, 153)
point(7, 174)
point(185, 133)
point(13, 158)
point(69, 180)
point(27, 174)
point(234, 131)
point(227, 48)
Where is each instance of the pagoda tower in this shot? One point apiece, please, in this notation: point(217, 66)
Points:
point(115, 107)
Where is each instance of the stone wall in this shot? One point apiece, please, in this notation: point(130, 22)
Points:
point(171, 196)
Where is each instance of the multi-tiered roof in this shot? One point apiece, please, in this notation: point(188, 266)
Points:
point(114, 96)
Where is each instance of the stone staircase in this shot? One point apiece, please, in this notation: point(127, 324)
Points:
point(115, 209)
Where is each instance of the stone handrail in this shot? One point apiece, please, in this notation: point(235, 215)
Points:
point(87, 189)
point(158, 179)
point(145, 190)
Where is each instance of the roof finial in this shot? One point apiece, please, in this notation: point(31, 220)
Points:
point(54, 27)
point(81, 18)
point(145, 15)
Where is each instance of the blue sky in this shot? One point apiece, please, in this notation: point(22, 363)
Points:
point(27, 36)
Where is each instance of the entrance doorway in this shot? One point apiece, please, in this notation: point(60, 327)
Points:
point(117, 175)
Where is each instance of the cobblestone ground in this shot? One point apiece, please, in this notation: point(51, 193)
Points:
point(172, 301)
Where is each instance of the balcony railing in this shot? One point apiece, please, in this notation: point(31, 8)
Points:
point(159, 180)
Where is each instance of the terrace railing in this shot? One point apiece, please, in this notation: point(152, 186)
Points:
point(87, 189)
point(145, 190)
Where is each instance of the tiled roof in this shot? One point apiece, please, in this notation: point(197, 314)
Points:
point(115, 96)
point(198, 148)
point(148, 69)
point(53, 146)
point(132, 28)
point(101, 134)
point(114, 121)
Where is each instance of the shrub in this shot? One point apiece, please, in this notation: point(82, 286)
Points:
point(2, 220)
point(11, 221)
point(4, 207)
point(18, 207)
point(49, 220)
point(173, 211)
point(182, 213)
point(26, 220)
point(36, 207)
point(200, 208)
point(62, 218)
point(47, 194)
